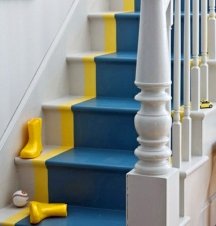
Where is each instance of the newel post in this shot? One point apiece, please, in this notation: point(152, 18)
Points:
point(153, 186)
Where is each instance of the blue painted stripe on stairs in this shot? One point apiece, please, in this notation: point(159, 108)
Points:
point(118, 57)
point(105, 159)
point(137, 5)
point(116, 75)
point(82, 216)
point(115, 105)
point(90, 177)
point(127, 25)
point(106, 123)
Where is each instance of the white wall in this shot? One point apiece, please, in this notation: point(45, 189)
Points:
point(28, 28)
point(51, 29)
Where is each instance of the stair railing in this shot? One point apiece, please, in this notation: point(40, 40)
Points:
point(195, 74)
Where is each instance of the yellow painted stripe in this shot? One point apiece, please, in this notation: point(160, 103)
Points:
point(89, 75)
point(12, 220)
point(128, 5)
point(41, 173)
point(67, 121)
point(109, 32)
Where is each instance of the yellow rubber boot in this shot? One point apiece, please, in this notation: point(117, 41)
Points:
point(34, 146)
point(39, 211)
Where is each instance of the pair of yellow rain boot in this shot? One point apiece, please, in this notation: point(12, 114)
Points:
point(34, 146)
point(39, 211)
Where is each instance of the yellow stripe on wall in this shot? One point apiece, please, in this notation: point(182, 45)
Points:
point(128, 5)
point(109, 32)
point(12, 220)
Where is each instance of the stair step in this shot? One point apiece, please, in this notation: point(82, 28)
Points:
point(87, 158)
point(58, 120)
point(105, 123)
point(90, 177)
point(127, 29)
point(83, 216)
point(127, 25)
point(102, 25)
point(79, 176)
point(118, 70)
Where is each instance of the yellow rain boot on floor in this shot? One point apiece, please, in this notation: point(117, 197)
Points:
point(34, 146)
point(39, 211)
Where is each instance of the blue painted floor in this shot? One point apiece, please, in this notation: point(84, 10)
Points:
point(82, 216)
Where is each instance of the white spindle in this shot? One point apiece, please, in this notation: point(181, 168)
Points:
point(176, 129)
point(204, 36)
point(195, 70)
point(212, 30)
point(212, 8)
point(186, 123)
point(153, 121)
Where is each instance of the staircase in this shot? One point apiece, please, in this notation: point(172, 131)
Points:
point(90, 139)
point(89, 135)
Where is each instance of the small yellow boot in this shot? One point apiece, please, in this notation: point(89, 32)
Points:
point(34, 146)
point(39, 211)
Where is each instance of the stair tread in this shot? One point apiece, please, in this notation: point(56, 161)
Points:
point(80, 55)
point(95, 158)
point(109, 104)
point(119, 13)
point(118, 56)
point(83, 216)
point(102, 14)
point(52, 104)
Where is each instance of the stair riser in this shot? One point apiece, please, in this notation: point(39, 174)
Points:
point(76, 77)
point(104, 130)
point(127, 29)
point(97, 33)
point(87, 187)
point(52, 127)
point(119, 75)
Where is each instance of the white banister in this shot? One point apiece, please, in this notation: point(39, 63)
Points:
point(212, 30)
point(204, 70)
point(195, 70)
point(176, 128)
point(152, 186)
point(186, 123)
